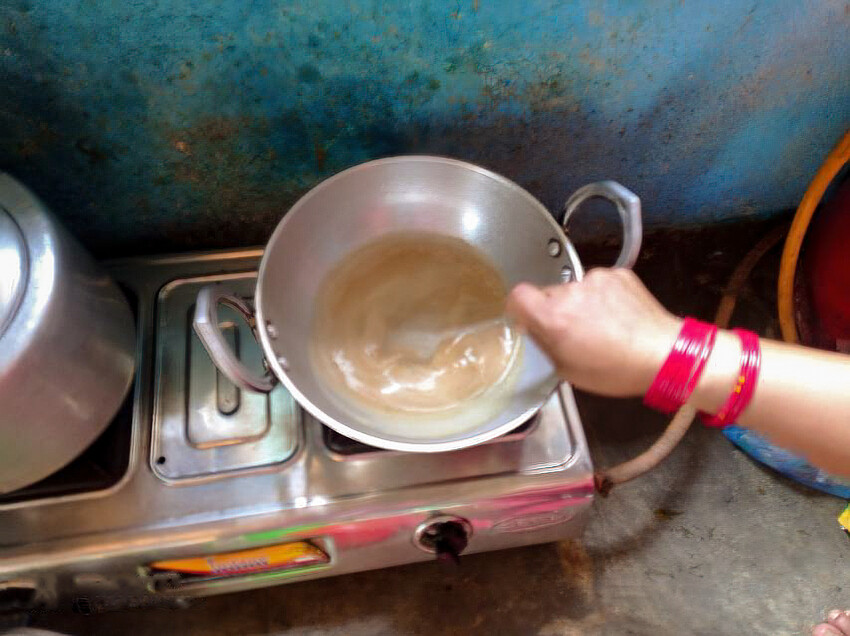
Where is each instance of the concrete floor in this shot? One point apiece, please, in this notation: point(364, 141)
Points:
point(710, 543)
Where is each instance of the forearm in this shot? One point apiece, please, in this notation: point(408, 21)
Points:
point(801, 402)
point(607, 334)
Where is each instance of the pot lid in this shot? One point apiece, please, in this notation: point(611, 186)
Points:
point(13, 268)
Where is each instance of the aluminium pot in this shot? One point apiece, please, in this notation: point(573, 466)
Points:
point(364, 203)
point(67, 342)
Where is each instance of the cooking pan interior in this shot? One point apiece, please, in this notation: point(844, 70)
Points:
point(405, 194)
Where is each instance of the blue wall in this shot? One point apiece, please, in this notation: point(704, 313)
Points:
point(163, 124)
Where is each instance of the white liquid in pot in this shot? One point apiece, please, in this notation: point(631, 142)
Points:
point(414, 323)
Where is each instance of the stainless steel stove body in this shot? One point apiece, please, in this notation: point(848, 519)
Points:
point(227, 491)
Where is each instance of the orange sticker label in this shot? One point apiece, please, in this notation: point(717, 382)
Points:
point(274, 557)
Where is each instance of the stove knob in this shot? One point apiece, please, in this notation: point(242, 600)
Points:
point(451, 540)
point(444, 536)
point(19, 595)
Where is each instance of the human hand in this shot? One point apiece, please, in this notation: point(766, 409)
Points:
point(606, 334)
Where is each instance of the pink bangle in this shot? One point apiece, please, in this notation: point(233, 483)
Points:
point(682, 369)
point(745, 384)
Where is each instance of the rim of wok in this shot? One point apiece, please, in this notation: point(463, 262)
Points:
point(355, 433)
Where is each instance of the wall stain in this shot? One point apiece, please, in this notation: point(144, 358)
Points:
point(321, 154)
point(218, 118)
point(38, 143)
point(309, 73)
point(90, 150)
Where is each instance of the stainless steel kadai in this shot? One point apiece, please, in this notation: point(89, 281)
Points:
point(359, 205)
point(66, 342)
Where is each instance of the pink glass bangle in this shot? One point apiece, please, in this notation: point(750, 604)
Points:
point(683, 367)
point(745, 384)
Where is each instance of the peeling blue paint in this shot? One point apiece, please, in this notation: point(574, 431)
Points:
point(165, 125)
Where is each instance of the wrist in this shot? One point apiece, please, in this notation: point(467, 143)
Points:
point(676, 380)
point(719, 375)
point(655, 351)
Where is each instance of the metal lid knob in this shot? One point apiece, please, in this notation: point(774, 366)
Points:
point(13, 269)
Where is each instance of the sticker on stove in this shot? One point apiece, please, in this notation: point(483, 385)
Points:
point(275, 557)
point(533, 521)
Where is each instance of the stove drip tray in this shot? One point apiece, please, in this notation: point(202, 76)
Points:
point(204, 426)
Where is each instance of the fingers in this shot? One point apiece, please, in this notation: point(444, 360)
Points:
point(527, 304)
point(840, 620)
point(536, 311)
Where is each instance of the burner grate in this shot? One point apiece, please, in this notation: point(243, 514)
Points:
point(342, 445)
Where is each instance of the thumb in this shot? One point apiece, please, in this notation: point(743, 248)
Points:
point(528, 306)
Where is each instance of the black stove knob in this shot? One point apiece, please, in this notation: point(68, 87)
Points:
point(446, 537)
point(451, 541)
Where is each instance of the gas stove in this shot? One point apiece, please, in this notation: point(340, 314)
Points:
point(198, 488)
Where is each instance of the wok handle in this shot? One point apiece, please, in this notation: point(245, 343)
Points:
point(205, 323)
point(628, 207)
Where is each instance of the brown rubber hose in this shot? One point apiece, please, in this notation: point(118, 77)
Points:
point(621, 473)
point(605, 480)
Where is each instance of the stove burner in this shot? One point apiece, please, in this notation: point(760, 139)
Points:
point(342, 445)
point(100, 466)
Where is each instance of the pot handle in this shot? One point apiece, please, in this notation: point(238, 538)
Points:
point(206, 326)
point(628, 206)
